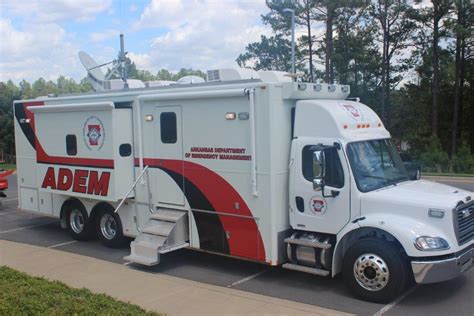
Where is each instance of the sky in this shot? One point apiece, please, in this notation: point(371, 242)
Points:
point(41, 38)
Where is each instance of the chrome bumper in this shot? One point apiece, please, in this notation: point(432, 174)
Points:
point(442, 270)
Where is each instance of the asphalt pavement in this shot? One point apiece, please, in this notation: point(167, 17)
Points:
point(449, 298)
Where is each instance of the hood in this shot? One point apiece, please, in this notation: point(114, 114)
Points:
point(423, 193)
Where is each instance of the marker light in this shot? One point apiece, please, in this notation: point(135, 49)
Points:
point(427, 243)
point(230, 116)
point(432, 212)
point(148, 117)
point(301, 86)
point(345, 126)
point(244, 116)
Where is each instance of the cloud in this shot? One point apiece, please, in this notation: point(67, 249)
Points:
point(44, 50)
point(49, 11)
point(34, 41)
point(105, 35)
point(199, 34)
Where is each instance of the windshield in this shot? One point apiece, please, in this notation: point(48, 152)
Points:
point(375, 164)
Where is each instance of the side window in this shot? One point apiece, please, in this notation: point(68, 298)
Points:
point(334, 175)
point(125, 150)
point(168, 128)
point(71, 145)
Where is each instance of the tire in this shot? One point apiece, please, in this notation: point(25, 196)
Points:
point(418, 174)
point(77, 221)
point(109, 228)
point(376, 270)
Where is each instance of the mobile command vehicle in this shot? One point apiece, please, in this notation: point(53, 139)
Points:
point(252, 165)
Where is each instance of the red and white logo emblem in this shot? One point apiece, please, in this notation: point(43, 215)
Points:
point(318, 205)
point(94, 133)
point(353, 111)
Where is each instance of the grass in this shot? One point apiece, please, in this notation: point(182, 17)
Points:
point(7, 166)
point(21, 294)
point(447, 174)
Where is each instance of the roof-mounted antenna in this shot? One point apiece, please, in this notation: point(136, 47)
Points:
point(95, 75)
point(122, 62)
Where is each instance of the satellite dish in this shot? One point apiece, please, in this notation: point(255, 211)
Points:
point(94, 73)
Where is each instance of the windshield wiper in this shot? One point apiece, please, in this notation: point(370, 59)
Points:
point(371, 176)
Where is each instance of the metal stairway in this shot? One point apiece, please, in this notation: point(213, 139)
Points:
point(165, 231)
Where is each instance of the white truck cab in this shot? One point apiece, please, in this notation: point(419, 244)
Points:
point(250, 165)
point(347, 179)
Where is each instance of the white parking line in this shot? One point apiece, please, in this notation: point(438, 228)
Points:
point(247, 278)
point(63, 244)
point(7, 213)
point(21, 228)
point(392, 304)
point(8, 200)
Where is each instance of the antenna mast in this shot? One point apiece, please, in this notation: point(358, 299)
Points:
point(122, 62)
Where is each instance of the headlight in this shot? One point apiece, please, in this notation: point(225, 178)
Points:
point(426, 243)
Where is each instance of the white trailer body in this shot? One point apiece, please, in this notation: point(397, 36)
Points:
point(232, 168)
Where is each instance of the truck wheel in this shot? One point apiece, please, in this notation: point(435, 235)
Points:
point(77, 221)
point(109, 228)
point(418, 174)
point(375, 270)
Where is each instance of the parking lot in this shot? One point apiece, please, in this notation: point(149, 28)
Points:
point(450, 298)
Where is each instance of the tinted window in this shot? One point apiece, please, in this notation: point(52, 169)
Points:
point(334, 175)
point(168, 127)
point(125, 150)
point(71, 145)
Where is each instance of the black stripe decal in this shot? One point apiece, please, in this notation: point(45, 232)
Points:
point(212, 236)
point(20, 116)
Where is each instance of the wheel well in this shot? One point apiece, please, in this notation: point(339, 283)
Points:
point(354, 236)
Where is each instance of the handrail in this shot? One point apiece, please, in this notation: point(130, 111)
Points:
point(131, 189)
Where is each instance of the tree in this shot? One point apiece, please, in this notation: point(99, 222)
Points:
point(271, 53)
point(394, 32)
point(464, 20)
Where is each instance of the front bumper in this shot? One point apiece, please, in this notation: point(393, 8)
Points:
point(426, 271)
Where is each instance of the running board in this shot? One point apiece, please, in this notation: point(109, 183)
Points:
point(291, 266)
point(307, 243)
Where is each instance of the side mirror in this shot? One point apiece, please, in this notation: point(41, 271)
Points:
point(318, 169)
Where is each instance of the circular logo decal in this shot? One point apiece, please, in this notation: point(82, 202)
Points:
point(318, 205)
point(93, 133)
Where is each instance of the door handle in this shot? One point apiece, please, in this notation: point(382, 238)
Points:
point(300, 204)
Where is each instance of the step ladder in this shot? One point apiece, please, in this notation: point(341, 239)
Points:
point(166, 231)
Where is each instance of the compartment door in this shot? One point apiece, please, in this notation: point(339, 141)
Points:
point(169, 153)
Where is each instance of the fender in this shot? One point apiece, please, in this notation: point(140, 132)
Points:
point(404, 229)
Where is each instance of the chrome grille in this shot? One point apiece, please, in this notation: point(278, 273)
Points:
point(464, 222)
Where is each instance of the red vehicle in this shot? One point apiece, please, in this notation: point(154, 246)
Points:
point(4, 181)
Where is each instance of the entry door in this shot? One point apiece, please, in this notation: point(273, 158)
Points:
point(312, 210)
point(169, 153)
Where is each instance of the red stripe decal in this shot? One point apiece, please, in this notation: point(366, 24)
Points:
point(244, 237)
point(6, 173)
point(43, 157)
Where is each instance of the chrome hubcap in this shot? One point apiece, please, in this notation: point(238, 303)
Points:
point(371, 272)
point(108, 226)
point(76, 221)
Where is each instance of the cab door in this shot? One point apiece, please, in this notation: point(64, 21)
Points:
point(317, 210)
point(169, 151)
